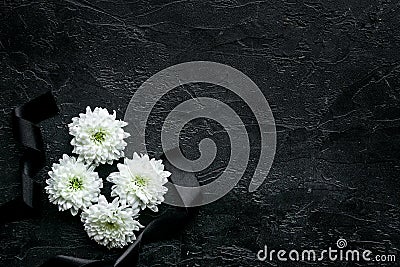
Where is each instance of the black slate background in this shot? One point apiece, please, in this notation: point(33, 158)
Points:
point(329, 70)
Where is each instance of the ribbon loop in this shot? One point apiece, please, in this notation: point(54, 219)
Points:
point(29, 135)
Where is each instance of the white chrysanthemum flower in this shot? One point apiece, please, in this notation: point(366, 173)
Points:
point(98, 136)
point(73, 184)
point(140, 181)
point(111, 224)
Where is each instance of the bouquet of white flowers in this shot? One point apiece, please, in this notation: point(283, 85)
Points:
point(98, 138)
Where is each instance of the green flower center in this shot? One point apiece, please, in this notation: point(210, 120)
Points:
point(76, 183)
point(111, 225)
point(139, 180)
point(99, 136)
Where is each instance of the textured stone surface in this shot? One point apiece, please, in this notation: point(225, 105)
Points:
point(330, 72)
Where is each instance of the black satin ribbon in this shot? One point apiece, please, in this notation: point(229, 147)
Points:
point(28, 134)
point(170, 222)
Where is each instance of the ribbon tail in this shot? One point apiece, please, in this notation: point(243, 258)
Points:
point(65, 261)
